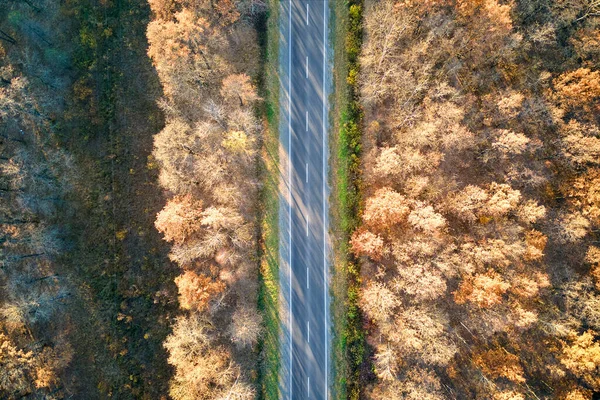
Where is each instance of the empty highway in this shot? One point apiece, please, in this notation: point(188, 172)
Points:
point(305, 77)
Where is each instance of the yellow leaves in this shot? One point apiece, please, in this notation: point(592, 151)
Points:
point(45, 377)
point(582, 358)
point(485, 219)
point(509, 395)
point(578, 394)
point(236, 142)
point(87, 38)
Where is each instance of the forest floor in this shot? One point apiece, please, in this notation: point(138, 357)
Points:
point(121, 263)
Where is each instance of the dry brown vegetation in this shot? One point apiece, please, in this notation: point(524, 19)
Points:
point(479, 233)
point(88, 295)
point(206, 53)
point(35, 348)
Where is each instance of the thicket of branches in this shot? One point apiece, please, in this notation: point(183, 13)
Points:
point(206, 54)
point(34, 177)
point(479, 232)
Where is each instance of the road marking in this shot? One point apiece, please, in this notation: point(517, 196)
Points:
point(307, 121)
point(306, 172)
point(290, 185)
point(306, 225)
point(307, 280)
point(308, 333)
point(324, 197)
point(307, 66)
point(306, 13)
point(308, 388)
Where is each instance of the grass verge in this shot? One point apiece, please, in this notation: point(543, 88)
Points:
point(348, 336)
point(268, 300)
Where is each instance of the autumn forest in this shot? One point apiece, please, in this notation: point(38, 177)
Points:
point(137, 167)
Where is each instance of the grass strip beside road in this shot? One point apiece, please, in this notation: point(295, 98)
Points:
point(348, 336)
point(268, 301)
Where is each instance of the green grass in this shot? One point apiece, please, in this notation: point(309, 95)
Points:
point(268, 302)
point(348, 336)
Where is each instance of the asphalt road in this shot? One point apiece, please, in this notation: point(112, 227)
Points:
point(305, 81)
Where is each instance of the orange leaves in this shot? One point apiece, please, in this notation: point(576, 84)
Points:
point(238, 87)
point(582, 357)
point(485, 290)
point(162, 9)
point(491, 10)
point(424, 218)
point(197, 290)
point(385, 209)
point(536, 243)
point(502, 199)
point(227, 11)
point(579, 89)
point(499, 363)
point(179, 219)
point(365, 243)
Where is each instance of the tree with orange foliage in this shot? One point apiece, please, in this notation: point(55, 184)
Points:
point(179, 219)
point(196, 291)
point(385, 209)
point(238, 87)
point(227, 11)
point(579, 89)
point(485, 290)
point(365, 243)
point(499, 363)
point(162, 9)
point(203, 370)
point(582, 358)
point(379, 301)
point(186, 49)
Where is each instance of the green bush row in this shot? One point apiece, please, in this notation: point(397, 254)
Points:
point(350, 147)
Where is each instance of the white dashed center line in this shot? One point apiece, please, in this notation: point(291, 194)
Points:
point(307, 226)
point(307, 280)
point(307, 66)
point(306, 13)
point(307, 121)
